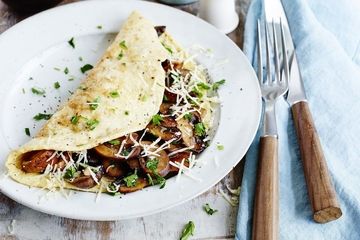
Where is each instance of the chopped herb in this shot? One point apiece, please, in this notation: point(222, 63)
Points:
point(56, 85)
point(209, 210)
point(112, 187)
point(83, 87)
point(131, 180)
point(152, 164)
point(38, 91)
point(80, 59)
point(70, 173)
point(122, 44)
point(86, 68)
point(125, 152)
point(66, 70)
point(167, 48)
point(94, 104)
point(74, 119)
point(203, 86)
point(27, 131)
point(156, 119)
point(92, 123)
point(217, 84)
point(23, 90)
point(71, 79)
point(220, 147)
point(188, 231)
point(197, 92)
point(114, 142)
point(126, 113)
point(42, 116)
point(200, 129)
point(114, 94)
point(31, 78)
point(160, 180)
point(71, 42)
point(188, 116)
point(165, 98)
point(120, 56)
point(57, 69)
point(99, 27)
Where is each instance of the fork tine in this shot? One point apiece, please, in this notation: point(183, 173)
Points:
point(285, 56)
point(260, 70)
point(268, 59)
point(276, 55)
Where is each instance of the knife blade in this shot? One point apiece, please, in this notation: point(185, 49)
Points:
point(321, 191)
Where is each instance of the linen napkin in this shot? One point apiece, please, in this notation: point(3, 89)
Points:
point(326, 35)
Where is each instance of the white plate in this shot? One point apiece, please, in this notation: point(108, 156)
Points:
point(33, 48)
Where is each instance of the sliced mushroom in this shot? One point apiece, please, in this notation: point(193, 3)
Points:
point(86, 181)
point(164, 133)
point(113, 168)
point(140, 184)
point(168, 122)
point(179, 157)
point(133, 163)
point(37, 161)
point(188, 136)
point(162, 168)
point(165, 108)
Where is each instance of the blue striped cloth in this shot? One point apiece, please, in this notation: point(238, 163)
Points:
point(326, 34)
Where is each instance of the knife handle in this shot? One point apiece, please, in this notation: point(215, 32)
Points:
point(266, 206)
point(321, 191)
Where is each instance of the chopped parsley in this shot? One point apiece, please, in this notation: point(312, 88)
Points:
point(66, 70)
point(188, 116)
point(152, 164)
point(197, 92)
point(220, 147)
point(42, 116)
point(71, 79)
point(92, 123)
point(83, 88)
point(122, 44)
point(74, 119)
point(99, 27)
point(56, 85)
point(188, 231)
point(160, 180)
point(86, 68)
point(203, 86)
point(80, 59)
point(27, 131)
point(131, 180)
point(167, 48)
point(38, 91)
point(23, 90)
point(209, 210)
point(70, 173)
point(114, 94)
point(121, 55)
point(156, 119)
point(94, 104)
point(71, 42)
point(114, 190)
point(126, 113)
point(217, 84)
point(114, 142)
point(200, 129)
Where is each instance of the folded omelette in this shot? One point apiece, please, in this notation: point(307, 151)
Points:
point(142, 113)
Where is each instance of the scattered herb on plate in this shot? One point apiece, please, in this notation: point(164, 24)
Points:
point(114, 94)
point(71, 42)
point(37, 91)
point(42, 116)
point(217, 84)
point(86, 68)
point(27, 131)
point(56, 85)
point(66, 70)
point(188, 231)
point(220, 147)
point(209, 210)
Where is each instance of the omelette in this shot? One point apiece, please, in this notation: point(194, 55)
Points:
point(142, 113)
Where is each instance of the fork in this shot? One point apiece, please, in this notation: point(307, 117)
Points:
point(275, 85)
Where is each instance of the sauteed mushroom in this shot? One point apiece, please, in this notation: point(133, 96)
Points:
point(113, 168)
point(157, 164)
point(140, 184)
point(179, 157)
point(163, 133)
point(37, 161)
point(85, 181)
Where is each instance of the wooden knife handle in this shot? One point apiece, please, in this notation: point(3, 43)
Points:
point(266, 206)
point(321, 192)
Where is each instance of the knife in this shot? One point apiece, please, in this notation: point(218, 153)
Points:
point(321, 191)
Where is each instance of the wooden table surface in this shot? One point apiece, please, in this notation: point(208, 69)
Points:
point(30, 224)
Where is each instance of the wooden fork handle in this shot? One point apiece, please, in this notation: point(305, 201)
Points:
point(321, 192)
point(266, 206)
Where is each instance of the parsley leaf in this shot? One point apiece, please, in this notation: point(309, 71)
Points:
point(131, 180)
point(86, 68)
point(152, 164)
point(114, 142)
point(156, 119)
point(220, 147)
point(203, 86)
point(188, 231)
point(126, 113)
point(121, 55)
point(66, 70)
point(188, 116)
point(114, 94)
point(38, 91)
point(42, 116)
point(209, 210)
point(94, 104)
point(56, 85)
point(99, 27)
point(197, 92)
point(74, 119)
point(71, 42)
point(122, 44)
point(217, 84)
point(70, 172)
point(167, 48)
point(27, 131)
point(92, 123)
point(200, 129)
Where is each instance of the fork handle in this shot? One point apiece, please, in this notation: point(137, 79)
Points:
point(321, 191)
point(266, 206)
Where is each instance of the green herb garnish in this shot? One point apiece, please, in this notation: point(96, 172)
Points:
point(86, 68)
point(99, 27)
point(114, 94)
point(188, 116)
point(27, 131)
point(217, 84)
point(71, 42)
point(38, 91)
point(94, 104)
point(70, 173)
point(23, 90)
point(42, 116)
point(92, 123)
point(120, 56)
point(160, 180)
point(56, 85)
point(66, 70)
point(188, 231)
point(156, 119)
point(74, 119)
point(122, 44)
point(126, 113)
point(209, 210)
point(200, 129)
point(203, 86)
point(152, 164)
point(131, 180)
point(220, 147)
point(167, 48)
point(197, 92)
point(114, 142)
point(80, 59)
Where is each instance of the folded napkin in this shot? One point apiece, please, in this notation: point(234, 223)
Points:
point(326, 35)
